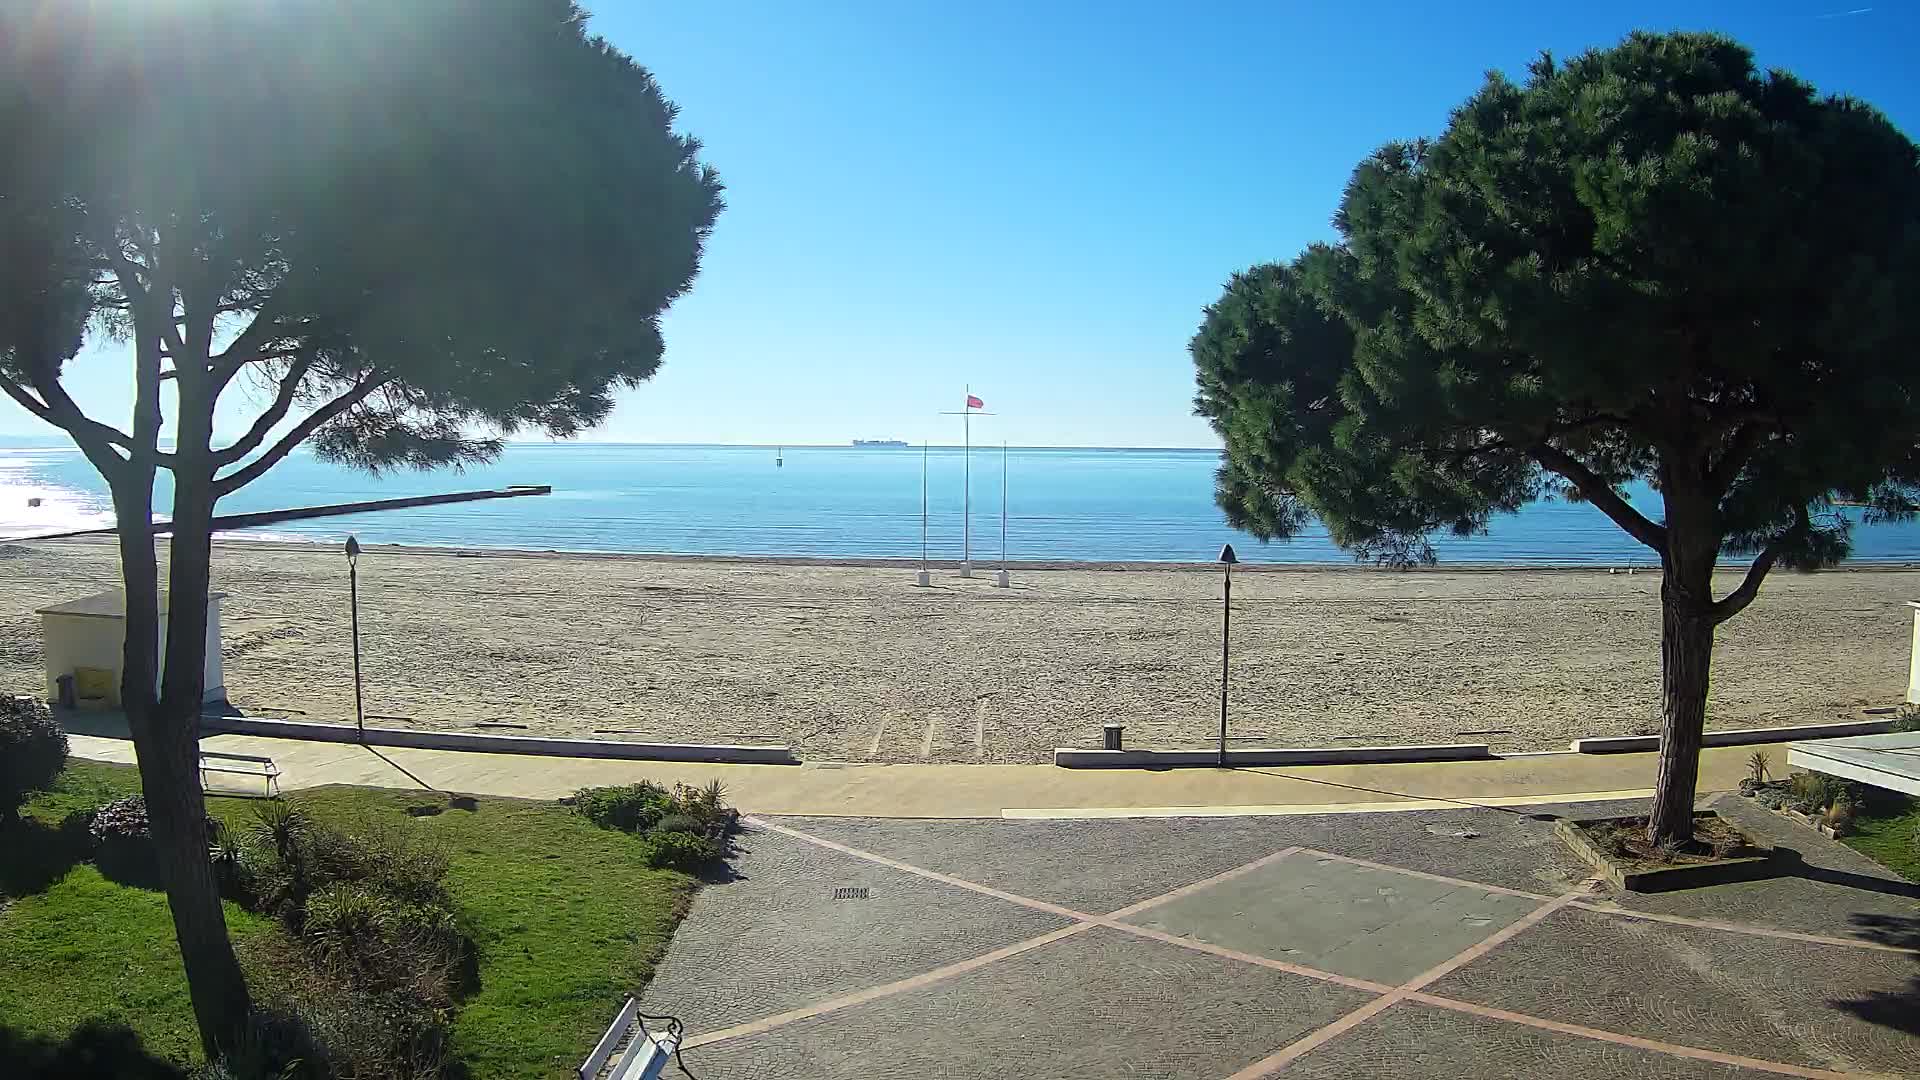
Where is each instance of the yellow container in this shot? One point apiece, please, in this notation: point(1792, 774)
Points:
point(95, 687)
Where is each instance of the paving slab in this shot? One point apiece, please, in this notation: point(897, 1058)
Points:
point(1339, 917)
point(1825, 1006)
point(1098, 1004)
point(1413, 1040)
point(775, 938)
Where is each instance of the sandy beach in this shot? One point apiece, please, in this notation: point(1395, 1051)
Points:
point(852, 662)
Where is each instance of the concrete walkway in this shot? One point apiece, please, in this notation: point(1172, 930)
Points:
point(1454, 944)
point(831, 789)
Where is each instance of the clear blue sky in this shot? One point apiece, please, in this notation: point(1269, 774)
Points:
point(1038, 199)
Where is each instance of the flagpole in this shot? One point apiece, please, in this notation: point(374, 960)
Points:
point(966, 499)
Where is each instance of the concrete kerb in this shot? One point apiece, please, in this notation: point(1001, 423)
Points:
point(1070, 758)
point(499, 744)
point(1619, 744)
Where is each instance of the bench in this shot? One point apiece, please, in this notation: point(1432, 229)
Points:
point(241, 765)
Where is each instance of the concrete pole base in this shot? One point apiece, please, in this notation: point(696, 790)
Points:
point(1003, 580)
point(923, 579)
point(966, 569)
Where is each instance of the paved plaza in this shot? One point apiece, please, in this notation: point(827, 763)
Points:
point(1447, 944)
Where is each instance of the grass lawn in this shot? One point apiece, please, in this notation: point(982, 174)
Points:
point(1889, 834)
point(567, 917)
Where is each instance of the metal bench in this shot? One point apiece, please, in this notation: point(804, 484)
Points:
point(641, 1055)
point(252, 765)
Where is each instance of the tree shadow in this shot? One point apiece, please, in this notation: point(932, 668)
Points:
point(96, 1050)
point(1788, 862)
point(1896, 1009)
point(131, 861)
point(34, 855)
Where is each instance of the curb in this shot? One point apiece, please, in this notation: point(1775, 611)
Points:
point(498, 744)
point(1068, 758)
point(1621, 744)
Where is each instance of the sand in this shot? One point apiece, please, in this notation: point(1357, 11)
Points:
point(854, 663)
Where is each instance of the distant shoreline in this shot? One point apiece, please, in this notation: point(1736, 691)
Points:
point(982, 567)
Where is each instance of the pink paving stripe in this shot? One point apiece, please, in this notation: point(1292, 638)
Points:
point(1249, 958)
point(874, 993)
point(1671, 1049)
point(1489, 943)
point(945, 879)
point(1443, 879)
point(1742, 928)
point(1292, 1052)
point(1188, 890)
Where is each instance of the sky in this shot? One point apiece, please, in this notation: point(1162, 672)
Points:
point(1037, 200)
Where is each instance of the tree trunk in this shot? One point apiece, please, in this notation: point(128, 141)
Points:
point(169, 763)
point(1686, 655)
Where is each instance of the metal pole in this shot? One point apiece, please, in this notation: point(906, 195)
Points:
point(1003, 505)
point(923, 505)
point(353, 593)
point(966, 498)
point(1226, 618)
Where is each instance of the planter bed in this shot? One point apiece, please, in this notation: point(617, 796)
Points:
point(1617, 848)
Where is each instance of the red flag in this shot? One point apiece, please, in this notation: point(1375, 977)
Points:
point(975, 403)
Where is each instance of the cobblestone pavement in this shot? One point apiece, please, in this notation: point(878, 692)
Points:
point(1446, 944)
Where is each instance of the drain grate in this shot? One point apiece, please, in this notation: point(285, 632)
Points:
point(851, 893)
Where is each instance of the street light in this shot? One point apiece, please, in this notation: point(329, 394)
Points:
point(353, 592)
point(1227, 559)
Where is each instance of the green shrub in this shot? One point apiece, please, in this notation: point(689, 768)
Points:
point(679, 823)
point(1813, 791)
point(628, 807)
point(345, 1030)
point(123, 841)
point(681, 851)
point(33, 750)
point(371, 922)
point(1908, 718)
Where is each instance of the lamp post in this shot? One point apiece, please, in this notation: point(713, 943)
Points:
point(353, 593)
point(1227, 559)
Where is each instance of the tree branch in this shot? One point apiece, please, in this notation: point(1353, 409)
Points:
point(129, 277)
point(96, 440)
point(234, 481)
point(1746, 442)
point(1736, 601)
point(282, 402)
point(1601, 494)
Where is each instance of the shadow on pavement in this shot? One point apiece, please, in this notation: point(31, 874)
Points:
point(1896, 1009)
point(1788, 862)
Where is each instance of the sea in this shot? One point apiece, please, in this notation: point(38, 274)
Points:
point(1028, 503)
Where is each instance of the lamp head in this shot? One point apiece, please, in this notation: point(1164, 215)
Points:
point(1227, 556)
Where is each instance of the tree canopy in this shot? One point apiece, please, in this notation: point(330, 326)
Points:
point(1651, 263)
point(425, 224)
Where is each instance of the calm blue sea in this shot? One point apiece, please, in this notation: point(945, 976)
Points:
point(1063, 504)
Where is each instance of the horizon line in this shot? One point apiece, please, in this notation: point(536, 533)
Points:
point(63, 442)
